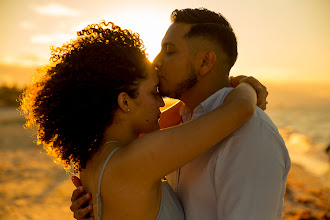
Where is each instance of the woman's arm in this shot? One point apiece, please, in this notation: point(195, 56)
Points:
point(262, 92)
point(171, 116)
point(149, 158)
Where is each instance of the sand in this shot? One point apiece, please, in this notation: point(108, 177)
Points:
point(32, 186)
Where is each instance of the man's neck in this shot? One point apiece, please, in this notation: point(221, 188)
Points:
point(200, 92)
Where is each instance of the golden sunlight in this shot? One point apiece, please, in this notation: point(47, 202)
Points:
point(144, 22)
point(56, 10)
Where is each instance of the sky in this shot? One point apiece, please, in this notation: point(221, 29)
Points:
point(282, 41)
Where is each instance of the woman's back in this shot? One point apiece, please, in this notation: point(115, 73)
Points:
point(129, 199)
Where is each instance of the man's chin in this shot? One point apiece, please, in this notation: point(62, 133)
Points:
point(166, 94)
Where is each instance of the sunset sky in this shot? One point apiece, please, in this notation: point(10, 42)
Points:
point(278, 41)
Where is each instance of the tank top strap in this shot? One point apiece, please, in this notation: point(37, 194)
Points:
point(98, 195)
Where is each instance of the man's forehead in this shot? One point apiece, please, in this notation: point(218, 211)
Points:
point(175, 32)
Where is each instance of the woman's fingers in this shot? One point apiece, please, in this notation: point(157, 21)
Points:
point(252, 81)
point(235, 80)
point(261, 90)
point(262, 98)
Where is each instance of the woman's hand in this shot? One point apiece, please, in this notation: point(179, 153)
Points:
point(260, 89)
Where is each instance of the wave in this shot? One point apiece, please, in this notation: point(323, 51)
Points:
point(313, 157)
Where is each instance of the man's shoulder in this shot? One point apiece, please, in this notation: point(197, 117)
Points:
point(259, 122)
point(257, 135)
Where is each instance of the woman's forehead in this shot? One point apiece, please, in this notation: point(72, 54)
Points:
point(152, 79)
point(154, 76)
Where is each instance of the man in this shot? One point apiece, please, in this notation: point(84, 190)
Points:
point(244, 176)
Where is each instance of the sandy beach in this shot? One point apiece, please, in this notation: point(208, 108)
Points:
point(32, 186)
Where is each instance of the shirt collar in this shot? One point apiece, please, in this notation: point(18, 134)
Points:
point(209, 104)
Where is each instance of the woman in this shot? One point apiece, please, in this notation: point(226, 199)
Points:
point(92, 103)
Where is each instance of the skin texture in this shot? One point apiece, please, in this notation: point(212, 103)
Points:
point(174, 63)
point(179, 60)
point(260, 89)
point(179, 63)
point(145, 108)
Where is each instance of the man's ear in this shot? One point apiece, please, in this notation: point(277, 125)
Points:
point(123, 101)
point(208, 59)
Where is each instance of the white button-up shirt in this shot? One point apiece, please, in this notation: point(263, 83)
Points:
point(242, 177)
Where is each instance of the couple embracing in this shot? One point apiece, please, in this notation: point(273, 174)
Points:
point(213, 155)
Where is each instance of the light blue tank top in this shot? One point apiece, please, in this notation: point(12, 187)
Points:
point(170, 206)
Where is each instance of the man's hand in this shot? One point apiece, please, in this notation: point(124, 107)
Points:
point(79, 199)
point(260, 89)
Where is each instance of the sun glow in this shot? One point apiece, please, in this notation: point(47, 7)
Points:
point(56, 10)
point(147, 23)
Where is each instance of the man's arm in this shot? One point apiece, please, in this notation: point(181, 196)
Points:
point(250, 173)
point(79, 198)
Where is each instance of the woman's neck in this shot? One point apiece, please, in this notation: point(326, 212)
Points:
point(119, 133)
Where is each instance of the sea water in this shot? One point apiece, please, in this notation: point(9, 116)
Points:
point(306, 132)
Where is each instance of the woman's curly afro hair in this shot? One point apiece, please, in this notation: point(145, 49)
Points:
point(73, 99)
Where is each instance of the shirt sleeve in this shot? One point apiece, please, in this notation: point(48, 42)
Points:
point(250, 173)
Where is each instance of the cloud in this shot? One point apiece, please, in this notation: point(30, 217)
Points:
point(24, 60)
point(26, 25)
point(52, 39)
point(56, 10)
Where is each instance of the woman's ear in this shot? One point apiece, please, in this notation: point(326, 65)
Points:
point(123, 101)
point(208, 59)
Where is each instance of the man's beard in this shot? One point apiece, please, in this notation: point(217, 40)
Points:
point(182, 86)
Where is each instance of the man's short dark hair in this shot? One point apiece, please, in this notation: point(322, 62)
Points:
point(210, 25)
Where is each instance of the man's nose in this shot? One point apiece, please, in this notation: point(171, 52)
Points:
point(157, 62)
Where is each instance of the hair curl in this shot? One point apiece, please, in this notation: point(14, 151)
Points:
point(209, 25)
point(74, 98)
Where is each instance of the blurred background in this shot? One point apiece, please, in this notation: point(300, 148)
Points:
point(284, 44)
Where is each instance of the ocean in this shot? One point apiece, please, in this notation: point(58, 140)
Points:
point(306, 132)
